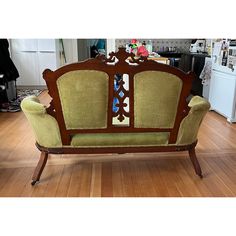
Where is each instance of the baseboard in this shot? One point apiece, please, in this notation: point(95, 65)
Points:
point(41, 87)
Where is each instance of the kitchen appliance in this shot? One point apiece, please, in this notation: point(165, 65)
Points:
point(222, 94)
point(198, 45)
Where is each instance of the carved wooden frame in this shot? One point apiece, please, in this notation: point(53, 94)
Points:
point(120, 62)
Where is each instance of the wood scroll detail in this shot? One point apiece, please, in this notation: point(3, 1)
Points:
point(120, 93)
point(122, 56)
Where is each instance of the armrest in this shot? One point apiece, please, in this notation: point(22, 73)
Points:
point(45, 126)
point(190, 124)
point(32, 105)
point(199, 104)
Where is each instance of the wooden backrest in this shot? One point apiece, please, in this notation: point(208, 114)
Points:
point(125, 82)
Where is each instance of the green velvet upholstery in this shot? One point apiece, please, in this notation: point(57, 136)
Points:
point(156, 97)
point(84, 98)
point(47, 132)
point(190, 124)
point(44, 126)
point(120, 139)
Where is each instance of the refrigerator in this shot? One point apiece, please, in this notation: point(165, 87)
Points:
point(222, 93)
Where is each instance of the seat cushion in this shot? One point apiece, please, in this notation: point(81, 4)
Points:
point(120, 139)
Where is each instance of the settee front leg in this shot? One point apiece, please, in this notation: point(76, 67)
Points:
point(39, 168)
point(195, 162)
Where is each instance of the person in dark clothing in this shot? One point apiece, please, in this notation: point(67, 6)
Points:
point(7, 67)
point(8, 72)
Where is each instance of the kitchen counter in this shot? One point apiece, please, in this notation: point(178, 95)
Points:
point(163, 60)
point(178, 54)
point(197, 54)
point(170, 54)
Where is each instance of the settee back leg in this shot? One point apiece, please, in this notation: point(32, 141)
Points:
point(39, 168)
point(196, 165)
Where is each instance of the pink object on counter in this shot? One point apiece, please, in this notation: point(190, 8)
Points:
point(134, 41)
point(142, 51)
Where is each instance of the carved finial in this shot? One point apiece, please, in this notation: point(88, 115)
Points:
point(48, 73)
point(122, 56)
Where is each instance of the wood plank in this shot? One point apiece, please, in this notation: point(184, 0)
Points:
point(86, 178)
point(142, 179)
point(96, 179)
point(16, 183)
point(169, 178)
point(117, 180)
point(186, 184)
point(64, 181)
point(157, 178)
point(106, 183)
point(214, 183)
point(129, 184)
point(80, 181)
point(54, 181)
point(75, 181)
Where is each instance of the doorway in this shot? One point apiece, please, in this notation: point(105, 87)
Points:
point(89, 48)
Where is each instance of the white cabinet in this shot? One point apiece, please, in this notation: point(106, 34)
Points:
point(24, 45)
point(46, 45)
point(222, 95)
point(27, 66)
point(32, 57)
point(46, 60)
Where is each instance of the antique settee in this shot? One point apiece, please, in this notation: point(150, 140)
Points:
point(118, 104)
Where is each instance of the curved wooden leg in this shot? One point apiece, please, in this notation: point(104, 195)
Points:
point(39, 168)
point(195, 162)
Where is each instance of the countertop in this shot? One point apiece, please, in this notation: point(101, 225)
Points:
point(164, 60)
point(197, 54)
point(170, 54)
point(179, 54)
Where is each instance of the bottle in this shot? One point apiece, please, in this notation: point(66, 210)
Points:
point(149, 46)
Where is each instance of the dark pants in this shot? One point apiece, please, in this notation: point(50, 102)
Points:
point(3, 93)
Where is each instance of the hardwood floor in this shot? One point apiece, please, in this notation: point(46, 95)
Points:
point(126, 175)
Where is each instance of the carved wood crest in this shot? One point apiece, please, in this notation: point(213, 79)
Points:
point(122, 57)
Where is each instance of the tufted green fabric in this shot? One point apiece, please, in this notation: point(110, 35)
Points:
point(156, 97)
point(84, 98)
point(44, 126)
point(120, 139)
point(190, 124)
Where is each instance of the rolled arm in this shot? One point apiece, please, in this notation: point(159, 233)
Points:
point(190, 124)
point(199, 104)
point(45, 126)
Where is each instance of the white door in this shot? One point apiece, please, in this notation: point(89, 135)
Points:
point(32, 57)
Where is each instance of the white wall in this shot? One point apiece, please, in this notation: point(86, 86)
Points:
point(111, 46)
point(71, 50)
point(70, 46)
